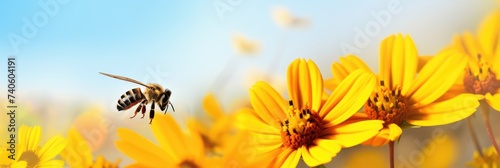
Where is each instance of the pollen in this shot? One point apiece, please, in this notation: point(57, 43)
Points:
point(301, 127)
point(479, 79)
point(387, 104)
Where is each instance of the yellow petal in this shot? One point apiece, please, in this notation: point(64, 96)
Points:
point(293, 159)
point(195, 146)
point(321, 153)
point(437, 76)
point(444, 112)
point(263, 143)
point(493, 100)
point(247, 119)
point(293, 82)
point(349, 97)
point(281, 157)
point(471, 46)
point(410, 64)
point(268, 159)
point(332, 146)
point(385, 59)
point(398, 62)
point(422, 60)
point(77, 152)
point(489, 35)
point(339, 73)
point(52, 163)
point(272, 99)
point(22, 145)
point(305, 87)
point(52, 148)
point(316, 82)
point(211, 106)
point(34, 135)
point(265, 106)
point(19, 164)
point(172, 140)
point(496, 68)
point(352, 134)
point(352, 63)
point(340, 70)
point(195, 125)
point(141, 149)
point(313, 160)
point(390, 133)
point(330, 84)
point(455, 90)
point(395, 132)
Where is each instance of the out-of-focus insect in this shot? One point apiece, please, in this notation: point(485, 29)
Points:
point(154, 93)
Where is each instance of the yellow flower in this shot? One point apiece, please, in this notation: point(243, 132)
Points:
point(489, 159)
point(441, 151)
point(221, 130)
point(307, 127)
point(29, 154)
point(482, 75)
point(221, 138)
point(403, 98)
point(78, 153)
point(92, 120)
point(175, 149)
point(283, 17)
point(361, 158)
point(244, 45)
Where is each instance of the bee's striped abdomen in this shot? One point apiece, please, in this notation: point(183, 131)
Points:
point(129, 99)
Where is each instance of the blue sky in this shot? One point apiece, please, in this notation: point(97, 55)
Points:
point(190, 44)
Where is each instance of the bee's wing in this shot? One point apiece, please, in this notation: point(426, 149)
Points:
point(124, 78)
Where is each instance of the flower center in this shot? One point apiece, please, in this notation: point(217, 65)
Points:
point(30, 157)
point(387, 104)
point(188, 164)
point(481, 80)
point(301, 127)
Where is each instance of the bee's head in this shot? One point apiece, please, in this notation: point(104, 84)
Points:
point(165, 99)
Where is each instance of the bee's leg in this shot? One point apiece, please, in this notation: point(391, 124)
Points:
point(143, 110)
point(152, 112)
point(137, 110)
point(167, 107)
point(173, 109)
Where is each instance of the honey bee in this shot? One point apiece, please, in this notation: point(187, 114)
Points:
point(154, 93)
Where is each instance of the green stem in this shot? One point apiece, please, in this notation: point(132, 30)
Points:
point(485, 110)
point(391, 153)
point(474, 136)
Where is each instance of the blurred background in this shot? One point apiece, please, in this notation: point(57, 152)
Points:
point(218, 46)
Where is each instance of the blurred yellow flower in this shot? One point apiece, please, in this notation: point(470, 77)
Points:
point(441, 151)
point(489, 159)
point(482, 75)
point(175, 148)
point(283, 17)
point(243, 45)
point(29, 154)
point(92, 122)
point(222, 128)
point(404, 98)
point(79, 155)
point(364, 157)
point(306, 126)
